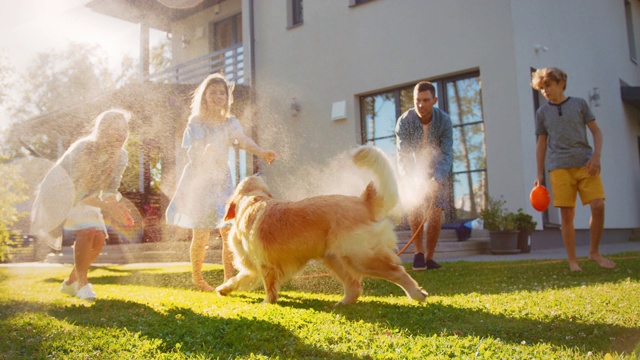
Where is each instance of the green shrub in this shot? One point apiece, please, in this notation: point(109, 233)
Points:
point(12, 192)
point(492, 214)
point(496, 217)
point(524, 222)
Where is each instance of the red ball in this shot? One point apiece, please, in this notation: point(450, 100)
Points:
point(540, 198)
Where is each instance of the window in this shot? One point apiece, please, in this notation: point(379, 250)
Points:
point(464, 105)
point(460, 97)
point(631, 37)
point(237, 164)
point(225, 42)
point(295, 13)
point(380, 112)
point(226, 33)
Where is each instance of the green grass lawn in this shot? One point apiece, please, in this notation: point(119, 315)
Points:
point(497, 310)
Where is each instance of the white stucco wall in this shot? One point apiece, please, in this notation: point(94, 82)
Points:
point(587, 39)
point(339, 53)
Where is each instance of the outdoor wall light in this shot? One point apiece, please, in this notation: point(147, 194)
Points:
point(594, 97)
point(184, 41)
point(295, 107)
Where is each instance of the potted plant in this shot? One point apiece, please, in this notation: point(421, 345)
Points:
point(526, 226)
point(502, 226)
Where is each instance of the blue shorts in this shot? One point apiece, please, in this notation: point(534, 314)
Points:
point(441, 200)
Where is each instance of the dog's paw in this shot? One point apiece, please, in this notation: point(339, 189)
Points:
point(421, 296)
point(223, 290)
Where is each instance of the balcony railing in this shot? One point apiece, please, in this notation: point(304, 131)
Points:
point(229, 61)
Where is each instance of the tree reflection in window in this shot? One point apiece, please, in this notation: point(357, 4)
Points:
point(464, 101)
point(461, 97)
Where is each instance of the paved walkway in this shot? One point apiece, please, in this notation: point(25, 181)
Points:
point(552, 254)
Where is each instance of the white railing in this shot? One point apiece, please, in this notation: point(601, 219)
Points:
point(229, 61)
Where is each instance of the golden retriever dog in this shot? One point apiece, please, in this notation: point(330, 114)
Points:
point(352, 235)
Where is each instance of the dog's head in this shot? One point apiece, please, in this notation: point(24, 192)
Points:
point(251, 186)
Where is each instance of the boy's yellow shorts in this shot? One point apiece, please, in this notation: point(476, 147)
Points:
point(566, 183)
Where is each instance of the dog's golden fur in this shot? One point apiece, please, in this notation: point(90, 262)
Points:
point(272, 239)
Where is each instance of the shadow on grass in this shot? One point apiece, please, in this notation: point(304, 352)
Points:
point(463, 278)
point(459, 278)
point(445, 320)
point(456, 278)
point(146, 277)
point(181, 328)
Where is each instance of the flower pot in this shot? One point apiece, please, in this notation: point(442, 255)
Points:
point(504, 242)
point(524, 242)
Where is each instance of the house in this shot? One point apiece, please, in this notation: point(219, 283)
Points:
point(320, 77)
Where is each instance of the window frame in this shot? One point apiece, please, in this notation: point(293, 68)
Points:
point(631, 35)
point(235, 22)
point(443, 104)
point(295, 13)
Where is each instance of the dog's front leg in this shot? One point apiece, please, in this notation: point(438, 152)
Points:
point(245, 280)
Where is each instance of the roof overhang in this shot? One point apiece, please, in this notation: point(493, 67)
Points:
point(149, 12)
point(631, 95)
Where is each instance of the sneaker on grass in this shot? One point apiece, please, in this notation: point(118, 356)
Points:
point(432, 265)
point(418, 262)
point(86, 292)
point(70, 290)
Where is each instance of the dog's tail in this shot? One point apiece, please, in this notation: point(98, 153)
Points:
point(384, 196)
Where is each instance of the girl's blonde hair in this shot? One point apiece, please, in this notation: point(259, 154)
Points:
point(108, 116)
point(197, 103)
point(540, 76)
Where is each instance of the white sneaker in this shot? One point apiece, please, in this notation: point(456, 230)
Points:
point(86, 292)
point(70, 290)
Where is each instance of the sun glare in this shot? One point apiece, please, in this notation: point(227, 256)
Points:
point(43, 25)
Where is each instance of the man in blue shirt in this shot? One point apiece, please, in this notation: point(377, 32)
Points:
point(424, 140)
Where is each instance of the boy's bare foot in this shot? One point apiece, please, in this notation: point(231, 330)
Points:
point(602, 261)
point(573, 266)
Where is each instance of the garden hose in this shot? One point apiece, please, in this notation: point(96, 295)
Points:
point(419, 227)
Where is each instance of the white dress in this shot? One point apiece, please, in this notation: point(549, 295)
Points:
point(205, 184)
point(83, 171)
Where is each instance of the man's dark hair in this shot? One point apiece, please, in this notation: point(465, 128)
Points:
point(424, 86)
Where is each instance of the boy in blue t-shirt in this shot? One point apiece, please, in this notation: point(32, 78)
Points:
point(574, 167)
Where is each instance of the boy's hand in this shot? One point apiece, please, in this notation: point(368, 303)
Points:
point(269, 156)
point(593, 166)
point(539, 181)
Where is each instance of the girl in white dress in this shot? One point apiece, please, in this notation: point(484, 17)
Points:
point(78, 190)
point(206, 184)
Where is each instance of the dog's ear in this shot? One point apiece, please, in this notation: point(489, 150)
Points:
point(231, 211)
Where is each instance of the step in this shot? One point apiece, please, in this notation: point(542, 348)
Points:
point(178, 251)
point(448, 245)
point(140, 253)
